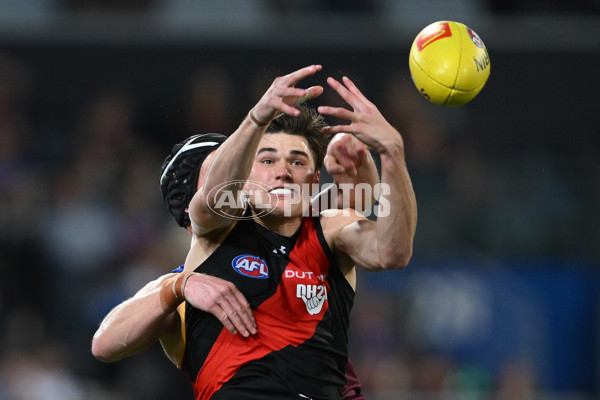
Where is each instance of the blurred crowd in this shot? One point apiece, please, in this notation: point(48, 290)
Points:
point(83, 226)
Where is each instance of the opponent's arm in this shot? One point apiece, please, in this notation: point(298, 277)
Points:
point(234, 158)
point(354, 172)
point(134, 325)
point(137, 323)
point(386, 243)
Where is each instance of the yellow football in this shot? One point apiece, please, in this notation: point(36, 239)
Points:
point(449, 63)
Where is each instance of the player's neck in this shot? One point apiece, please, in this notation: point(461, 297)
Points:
point(285, 226)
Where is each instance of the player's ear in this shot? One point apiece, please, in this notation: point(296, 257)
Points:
point(316, 177)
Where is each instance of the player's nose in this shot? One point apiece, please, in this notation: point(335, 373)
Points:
point(283, 173)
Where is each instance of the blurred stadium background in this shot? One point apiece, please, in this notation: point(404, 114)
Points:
point(501, 299)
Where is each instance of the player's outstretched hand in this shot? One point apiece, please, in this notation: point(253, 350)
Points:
point(282, 95)
point(223, 300)
point(365, 121)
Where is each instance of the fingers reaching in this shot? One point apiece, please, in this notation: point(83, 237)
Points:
point(365, 121)
point(282, 95)
point(293, 78)
point(311, 93)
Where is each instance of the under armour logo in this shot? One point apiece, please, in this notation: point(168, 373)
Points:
point(281, 250)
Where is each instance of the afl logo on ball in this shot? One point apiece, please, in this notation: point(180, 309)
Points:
point(475, 38)
point(250, 266)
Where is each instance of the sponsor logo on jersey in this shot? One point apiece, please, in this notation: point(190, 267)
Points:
point(425, 39)
point(314, 297)
point(313, 292)
point(250, 266)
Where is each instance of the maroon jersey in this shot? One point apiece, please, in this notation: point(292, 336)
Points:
point(352, 389)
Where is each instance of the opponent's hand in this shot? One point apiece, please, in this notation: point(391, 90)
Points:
point(282, 95)
point(366, 122)
point(345, 155)
point(223, 300)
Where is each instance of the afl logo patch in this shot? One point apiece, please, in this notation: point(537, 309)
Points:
point(475, 38)
point(250, 266)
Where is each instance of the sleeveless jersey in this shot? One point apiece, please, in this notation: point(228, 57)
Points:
point(301, 302)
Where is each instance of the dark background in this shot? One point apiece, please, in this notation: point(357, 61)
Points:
point(501, 296)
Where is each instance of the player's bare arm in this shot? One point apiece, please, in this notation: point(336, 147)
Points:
point(387, 243)
point(137, 323)
point(234, 158)
point(134, 325)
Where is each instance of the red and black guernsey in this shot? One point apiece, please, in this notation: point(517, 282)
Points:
point(301, 303)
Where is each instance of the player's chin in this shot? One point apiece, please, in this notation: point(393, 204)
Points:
point(289, 208)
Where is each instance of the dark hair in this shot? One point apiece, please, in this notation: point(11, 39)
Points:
point(308, 125)
point(179, 172)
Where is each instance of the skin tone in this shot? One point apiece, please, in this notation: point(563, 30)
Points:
point(136, 324)
point(284, 161)
point(385, 244)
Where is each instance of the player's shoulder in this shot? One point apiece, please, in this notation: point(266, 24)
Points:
point(337, 224)
point(339, 217)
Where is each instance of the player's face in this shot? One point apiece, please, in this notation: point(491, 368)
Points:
point(283, 174)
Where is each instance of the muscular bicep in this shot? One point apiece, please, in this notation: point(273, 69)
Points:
point(358, 241)
point(353, 237)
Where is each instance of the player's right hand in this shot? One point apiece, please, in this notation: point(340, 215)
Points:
point(282, 95)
